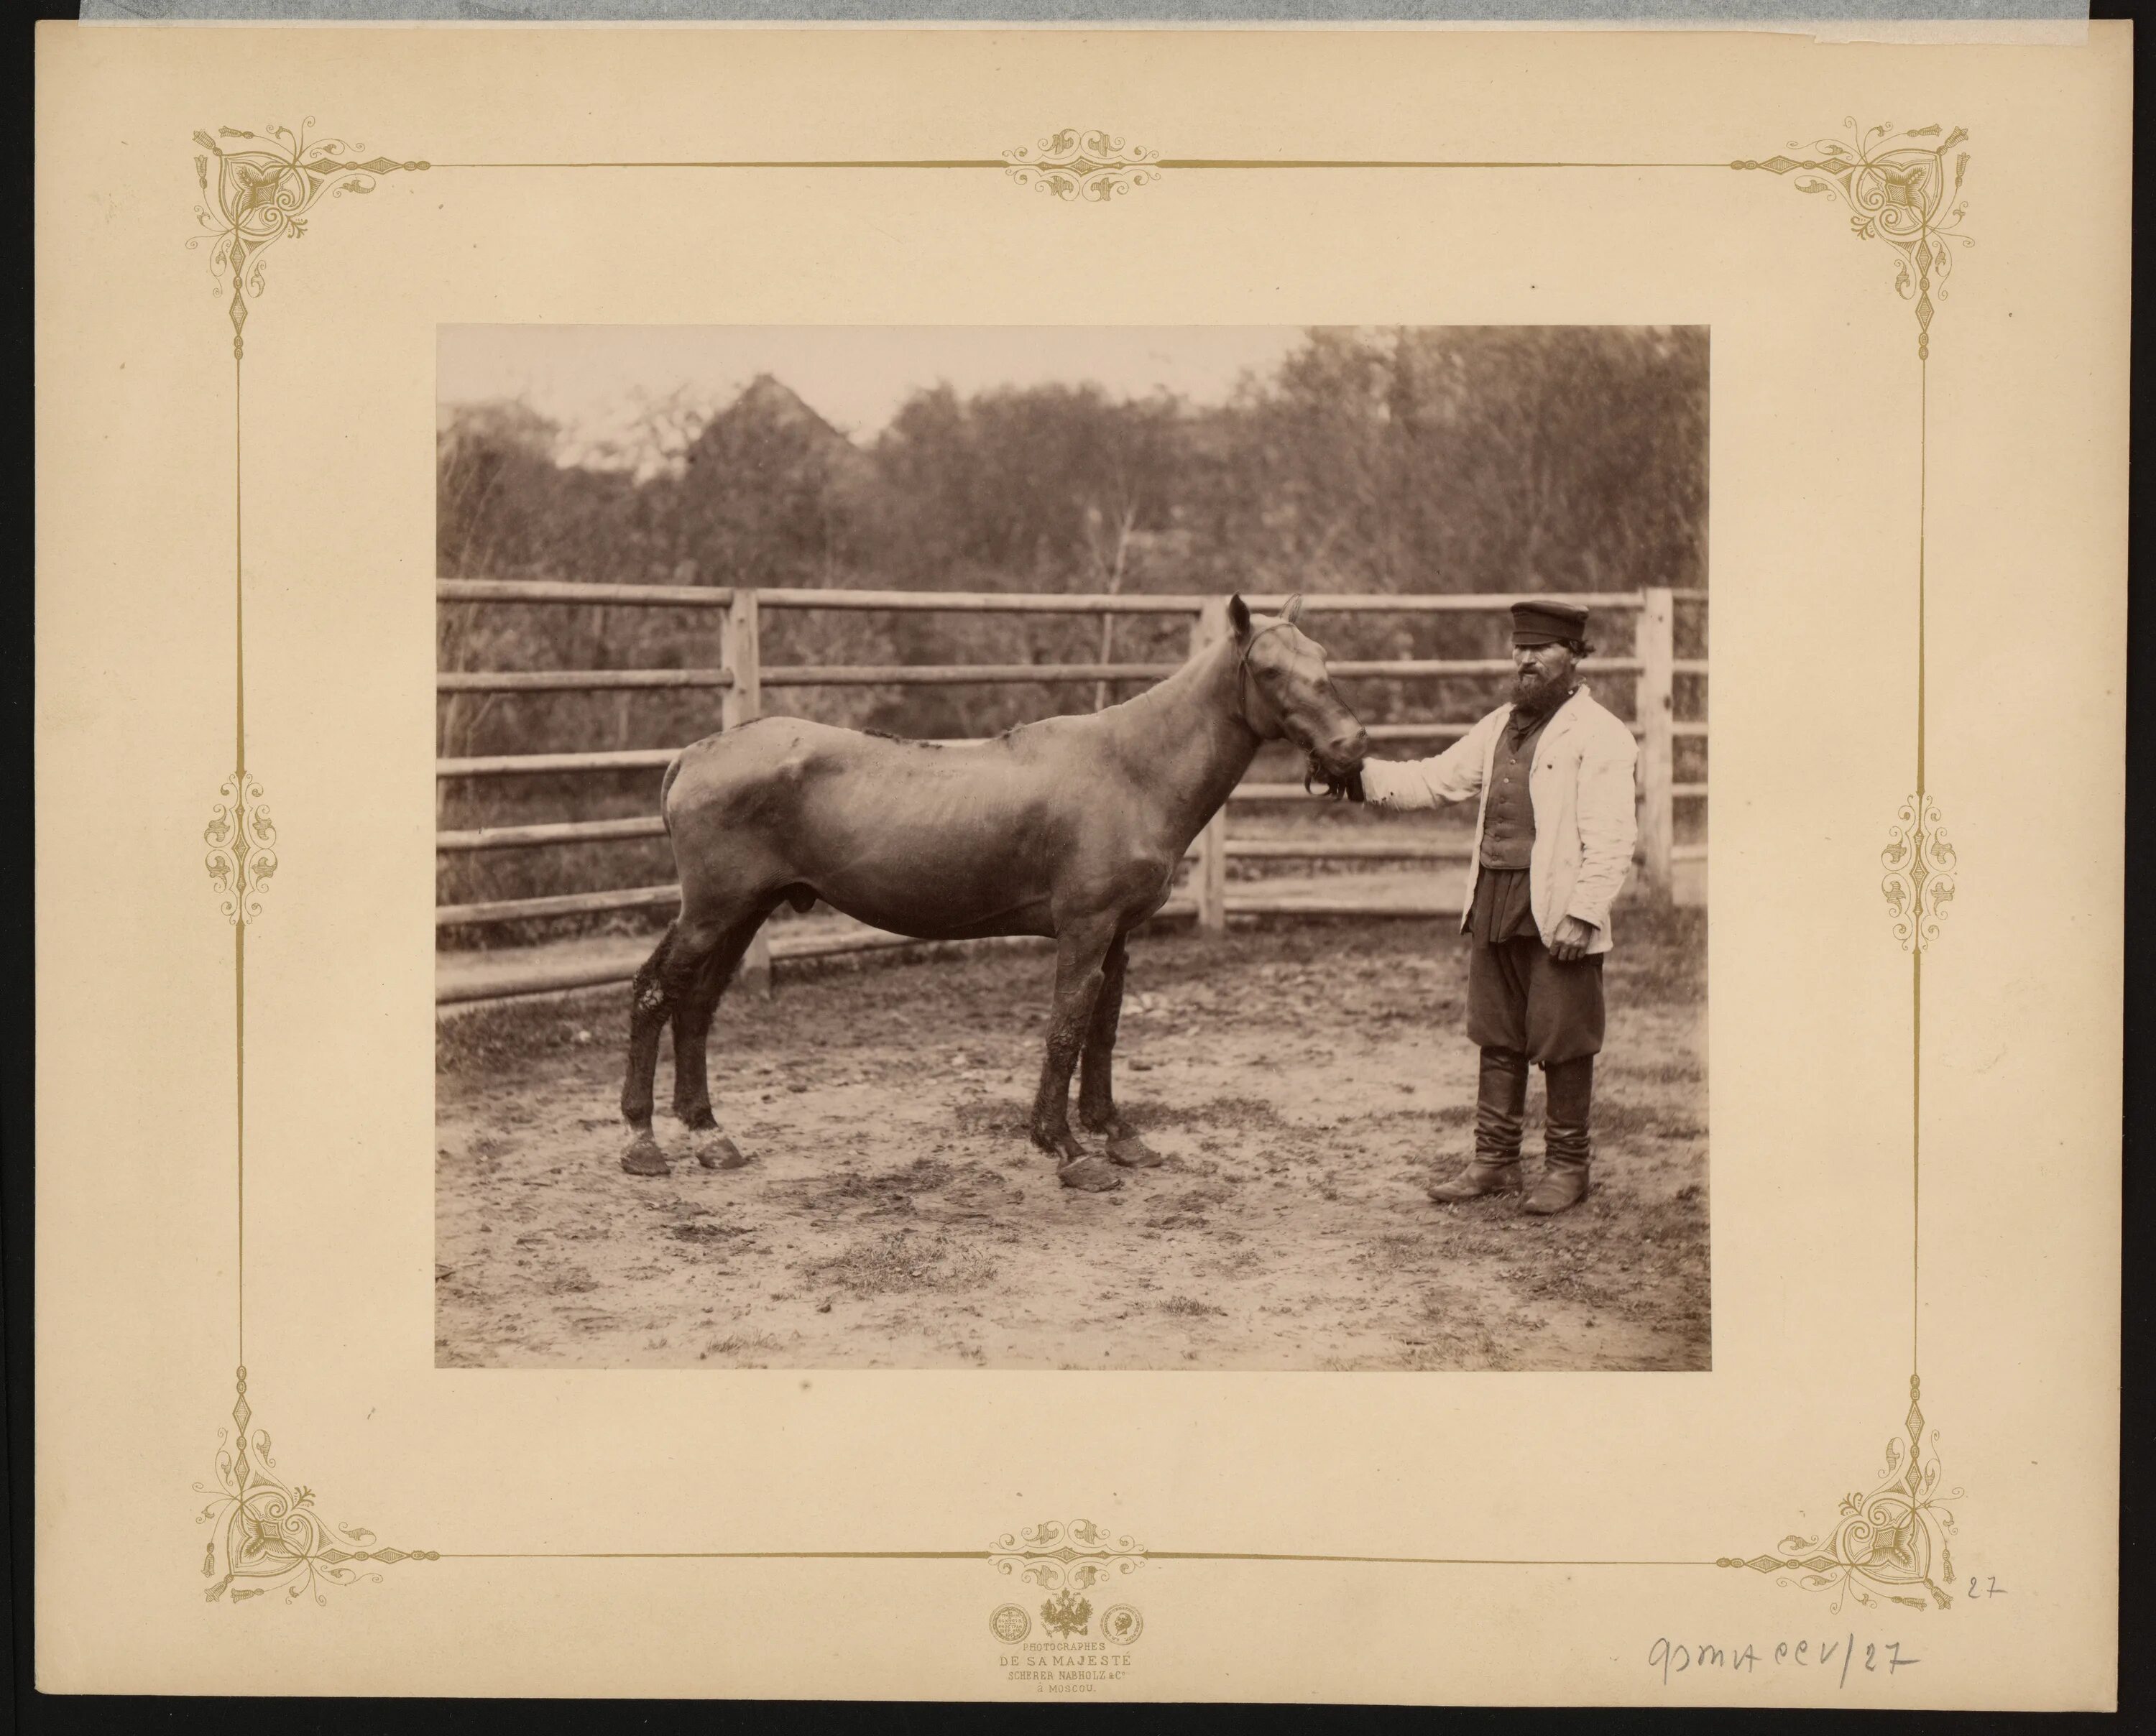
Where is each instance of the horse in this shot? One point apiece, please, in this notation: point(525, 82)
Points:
point(1069, 828)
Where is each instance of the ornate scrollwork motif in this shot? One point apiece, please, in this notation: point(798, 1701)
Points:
point(267, 1536)
point(1060, 1557)
point(1888, 1543)
point(1919, 882)
point(1074, 165)
point(1899, 190)
point(262, 192)
point(243, 853)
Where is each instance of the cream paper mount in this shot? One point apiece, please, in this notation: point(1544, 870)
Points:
point(1889, 1554)
point(1901, 189)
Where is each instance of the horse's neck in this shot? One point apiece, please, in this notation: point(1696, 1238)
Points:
point(1190, 732)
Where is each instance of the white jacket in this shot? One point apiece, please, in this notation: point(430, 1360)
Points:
point(1581, 788)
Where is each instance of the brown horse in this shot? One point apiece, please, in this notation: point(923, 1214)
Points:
point(1069, 827)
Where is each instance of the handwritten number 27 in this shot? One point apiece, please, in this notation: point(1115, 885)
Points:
point(1985, 1587)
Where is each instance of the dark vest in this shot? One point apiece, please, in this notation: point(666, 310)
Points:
point(1508, 812)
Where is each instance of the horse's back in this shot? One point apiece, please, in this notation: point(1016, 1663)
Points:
point(790, 756)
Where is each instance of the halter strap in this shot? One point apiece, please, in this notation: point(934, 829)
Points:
point(1243, 663)
point(1250, 644)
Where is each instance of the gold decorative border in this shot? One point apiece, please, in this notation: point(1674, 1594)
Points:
point(1919, 882)
point(1898, 191)
point(1094, 166)
point(264, 192)
point(242, 842)
point(1058, 1556)
point(269, 1531)
point(1887, 1544)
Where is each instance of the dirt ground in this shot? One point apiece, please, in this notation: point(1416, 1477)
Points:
point(1304, 1082)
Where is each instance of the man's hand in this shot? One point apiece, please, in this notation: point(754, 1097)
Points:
point(1571, 940)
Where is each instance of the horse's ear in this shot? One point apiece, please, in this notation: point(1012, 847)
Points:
point(1239, 616)
point(1292, 609)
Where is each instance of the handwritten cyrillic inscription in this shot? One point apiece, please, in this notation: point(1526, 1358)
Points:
point(1836, 1659)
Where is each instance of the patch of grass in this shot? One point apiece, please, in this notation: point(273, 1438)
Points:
point(708, 1235)
point(1239, 1114)
point(1659, 956)
point(891, 1192)
point(1243, 1261)
point(1005, 1118)
point(486, 1039)
point(749, 1345)
point(1189, 1306)
point(902, 1262)
point(1673, 1070)
point(1453, 1112)
point(1618, 1118)
point(1188, 1210)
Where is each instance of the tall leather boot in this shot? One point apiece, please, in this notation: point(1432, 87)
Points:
point(1567, 1150)
point(1501, 1104)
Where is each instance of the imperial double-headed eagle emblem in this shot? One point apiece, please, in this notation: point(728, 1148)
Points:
point(1066, 1614)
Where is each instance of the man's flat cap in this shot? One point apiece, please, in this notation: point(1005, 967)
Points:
point(1543, 621)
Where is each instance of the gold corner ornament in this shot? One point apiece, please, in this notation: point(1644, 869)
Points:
point(268, 1536)
point(243, 853)
point(1899, 190)
point(262, 191)
point(1074, 165)
point(1890, 1544)
point(1919, 882)
point(1062, 1557)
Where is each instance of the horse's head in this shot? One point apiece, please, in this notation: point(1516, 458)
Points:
point(1286, 693)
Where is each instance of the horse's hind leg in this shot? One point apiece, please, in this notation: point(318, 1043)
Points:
point(650, 1004)
point(692, 1030)
point(1096, 1099)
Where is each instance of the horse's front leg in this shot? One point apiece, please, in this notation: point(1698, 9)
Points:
point(1080, 954)
point(1097, 1096)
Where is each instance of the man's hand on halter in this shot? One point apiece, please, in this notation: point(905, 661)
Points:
point(1336, 789)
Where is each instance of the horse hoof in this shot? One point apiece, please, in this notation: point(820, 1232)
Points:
point(1132, 1153)
point(721, 1153)
point(644, 1158)
point(1090, 1175)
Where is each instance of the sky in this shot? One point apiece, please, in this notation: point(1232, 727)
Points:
point(593, 379)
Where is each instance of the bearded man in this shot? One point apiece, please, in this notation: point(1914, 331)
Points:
point(1554, 842)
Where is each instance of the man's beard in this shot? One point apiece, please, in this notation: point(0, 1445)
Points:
point(1536, 693)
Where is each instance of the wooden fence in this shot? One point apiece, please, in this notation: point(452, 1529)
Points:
point(740, 677)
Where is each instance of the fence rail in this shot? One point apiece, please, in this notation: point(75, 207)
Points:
point(550, 590)
point(740, 678)
point(573, 681)
point(951, 675)
point(557, 832)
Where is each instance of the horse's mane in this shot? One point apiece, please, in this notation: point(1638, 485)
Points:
point(909, 740)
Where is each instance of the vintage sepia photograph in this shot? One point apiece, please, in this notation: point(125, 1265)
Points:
point(1104, 848)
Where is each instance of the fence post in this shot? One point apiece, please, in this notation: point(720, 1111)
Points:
point(1209, 874)
point(741, 651)
point(1657, 654)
